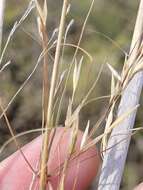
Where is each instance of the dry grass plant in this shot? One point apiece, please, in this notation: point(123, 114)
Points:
point(119, 82)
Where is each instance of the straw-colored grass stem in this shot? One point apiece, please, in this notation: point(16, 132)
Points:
point(44, 158)
point(114, 159)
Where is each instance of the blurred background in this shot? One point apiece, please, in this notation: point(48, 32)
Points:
point(106, 38)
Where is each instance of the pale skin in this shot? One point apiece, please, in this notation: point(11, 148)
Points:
point(15, 174)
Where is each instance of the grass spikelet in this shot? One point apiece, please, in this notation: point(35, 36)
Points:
point(85, 136)
point(54, 92)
